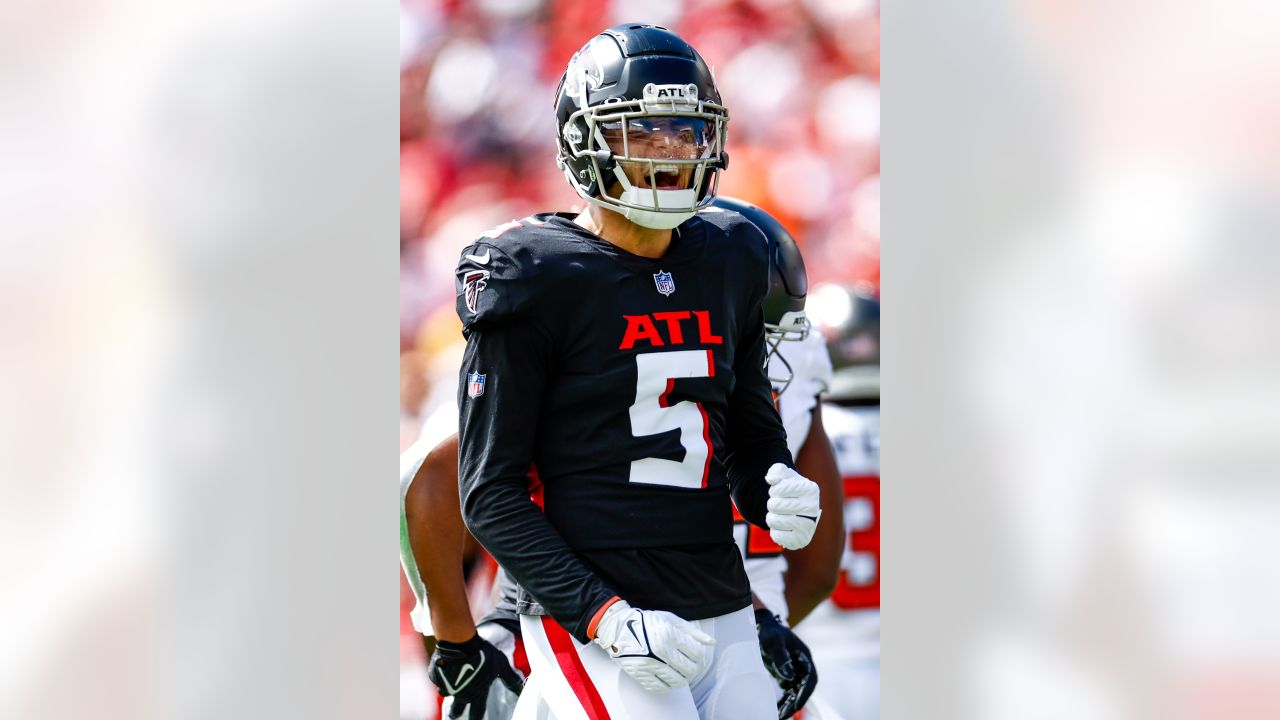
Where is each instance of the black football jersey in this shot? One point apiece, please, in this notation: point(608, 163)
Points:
point(610, 405)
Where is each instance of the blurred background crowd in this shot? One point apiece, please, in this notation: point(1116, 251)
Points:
point(801, 79)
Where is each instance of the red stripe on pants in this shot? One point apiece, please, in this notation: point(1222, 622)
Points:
point(571, 666)
point(520, 658)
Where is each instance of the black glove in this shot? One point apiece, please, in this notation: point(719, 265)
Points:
point(789, 662)
point(467, 670)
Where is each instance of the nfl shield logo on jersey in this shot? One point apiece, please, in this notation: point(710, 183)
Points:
point(475, 384)
point(666, 284)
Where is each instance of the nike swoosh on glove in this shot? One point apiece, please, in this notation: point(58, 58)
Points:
point(793, 507)
point(467, 670)
point(658, 649)
point(788, 660)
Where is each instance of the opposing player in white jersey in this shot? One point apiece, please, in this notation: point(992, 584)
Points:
point(788, 585)
point(475, 663)
point(844, 632)
point(785, 587)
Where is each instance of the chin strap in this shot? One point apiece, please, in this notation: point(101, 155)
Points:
point(655, 220)
point(652, 219)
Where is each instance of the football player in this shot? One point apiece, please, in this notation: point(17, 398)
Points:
point(797, 360)
point(788, 585)
point(616, 357)
point(844, 632)
point(474, 668)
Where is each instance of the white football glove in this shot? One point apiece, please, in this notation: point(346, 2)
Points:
point(793, 507)
point(660, 650)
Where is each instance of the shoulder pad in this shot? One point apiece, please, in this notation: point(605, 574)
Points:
point(736, 228)
point(491, 282)
point(725, 218)
point(814, 371)
point(741, 245)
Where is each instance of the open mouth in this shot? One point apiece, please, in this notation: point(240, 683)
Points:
point(666, 177)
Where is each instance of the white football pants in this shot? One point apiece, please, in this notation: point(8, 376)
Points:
point(580, 682)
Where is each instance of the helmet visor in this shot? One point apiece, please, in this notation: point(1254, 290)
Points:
point(660, 137)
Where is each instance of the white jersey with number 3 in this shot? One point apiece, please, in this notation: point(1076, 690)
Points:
point(844, 631)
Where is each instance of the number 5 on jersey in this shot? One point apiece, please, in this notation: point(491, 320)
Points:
point(653, 413)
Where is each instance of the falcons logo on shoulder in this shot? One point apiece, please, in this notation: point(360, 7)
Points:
point(473, 283)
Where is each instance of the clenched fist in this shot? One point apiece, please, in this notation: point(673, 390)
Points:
point(793, 507)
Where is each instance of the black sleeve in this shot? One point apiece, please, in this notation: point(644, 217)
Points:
point(757, 438)
point(497, 432)
point(491, 286)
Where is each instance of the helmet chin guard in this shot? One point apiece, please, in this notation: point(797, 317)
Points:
point(653, 219)
point(664, 209)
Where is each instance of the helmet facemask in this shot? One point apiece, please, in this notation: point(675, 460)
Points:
point(661, 154)
point(792, 327)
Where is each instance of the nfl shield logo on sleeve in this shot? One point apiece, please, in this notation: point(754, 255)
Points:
point(475, 385)
point(666, 284)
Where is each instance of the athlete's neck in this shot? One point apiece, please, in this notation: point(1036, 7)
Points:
point(635, 239)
